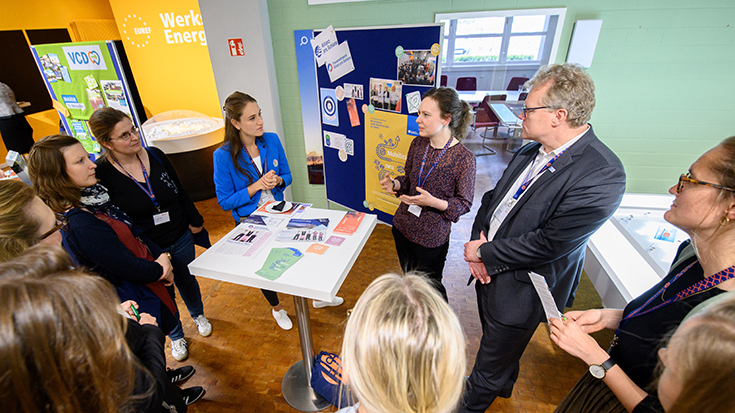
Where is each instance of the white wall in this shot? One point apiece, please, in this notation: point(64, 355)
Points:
point(254, 73)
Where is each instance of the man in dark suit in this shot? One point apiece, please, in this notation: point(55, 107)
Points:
point(552, 197)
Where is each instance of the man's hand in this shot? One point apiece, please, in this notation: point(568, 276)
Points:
point(470, 249)
point(478, 270)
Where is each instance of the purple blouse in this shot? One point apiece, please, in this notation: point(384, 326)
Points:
point(453, 180)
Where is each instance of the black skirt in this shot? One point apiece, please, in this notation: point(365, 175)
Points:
point(590, 395)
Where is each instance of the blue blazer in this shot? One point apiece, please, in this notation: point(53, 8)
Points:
point(547, 230)
point(232, 187)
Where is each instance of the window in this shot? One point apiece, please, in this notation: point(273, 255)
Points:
point(500, 37)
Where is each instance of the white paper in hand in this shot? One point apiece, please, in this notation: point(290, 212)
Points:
point(547, 300)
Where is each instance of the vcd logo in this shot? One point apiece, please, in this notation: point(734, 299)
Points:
point(87, 57)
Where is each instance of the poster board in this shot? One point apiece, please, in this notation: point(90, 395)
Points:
point(368, 114)
point(82, 77)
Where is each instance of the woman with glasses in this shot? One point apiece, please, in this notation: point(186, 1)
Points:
point(143, 183)
point(100, 236)
point(26, 220)
point(704, 266)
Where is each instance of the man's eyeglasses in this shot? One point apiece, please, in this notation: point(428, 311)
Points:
point(526, 110)
point(686, 178)
point(61, 224)
point(127, 135)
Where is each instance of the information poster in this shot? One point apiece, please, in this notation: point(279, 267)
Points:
point(387, 143)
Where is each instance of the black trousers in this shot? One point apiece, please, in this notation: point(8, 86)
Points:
point(430, 261)
point(497, 363)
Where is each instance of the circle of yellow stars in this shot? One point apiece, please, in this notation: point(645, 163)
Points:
point(132, 17)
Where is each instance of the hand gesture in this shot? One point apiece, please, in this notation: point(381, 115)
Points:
point(126, 307)
point(168, 270)
point(387, 184)
point(424, 198)
point(269, 180)
point(479, 271)
point(470, 248)
point(570, 336)
point(595, 320)
point(146, 318)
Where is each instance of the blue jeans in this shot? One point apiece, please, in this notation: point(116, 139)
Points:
point(182, 253)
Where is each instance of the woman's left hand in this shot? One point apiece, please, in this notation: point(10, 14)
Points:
point(125, 305)
point(196, 230)
point(424, 198)
point(571, 338)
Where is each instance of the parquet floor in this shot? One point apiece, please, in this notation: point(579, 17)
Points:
point(242, 363)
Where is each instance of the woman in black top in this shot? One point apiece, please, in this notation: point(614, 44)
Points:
point(705, 267)
point(143, 183)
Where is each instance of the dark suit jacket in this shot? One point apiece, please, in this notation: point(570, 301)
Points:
point(548, 228)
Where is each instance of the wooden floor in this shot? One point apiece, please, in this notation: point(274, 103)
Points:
point(242, 363)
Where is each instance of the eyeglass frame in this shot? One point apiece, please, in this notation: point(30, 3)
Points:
point(135, 131)
point(62, 223)
point(686, 178)
point(525, 110)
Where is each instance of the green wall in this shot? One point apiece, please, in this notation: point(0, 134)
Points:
point(663, 71)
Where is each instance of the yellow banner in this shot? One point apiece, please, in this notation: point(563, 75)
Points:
point(386, 146)
point(167, 50)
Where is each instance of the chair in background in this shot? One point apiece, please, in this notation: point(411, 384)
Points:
point(486, 118)
point(515, 82)
point(466, 83)
point(523, 96)
point(443, 81)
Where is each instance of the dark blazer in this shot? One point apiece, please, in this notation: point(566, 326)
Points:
point(548, 228)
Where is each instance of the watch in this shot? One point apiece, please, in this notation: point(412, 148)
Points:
point(598, 371)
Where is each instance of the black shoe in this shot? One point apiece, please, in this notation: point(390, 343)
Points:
point(192, 394)
point(180, 374)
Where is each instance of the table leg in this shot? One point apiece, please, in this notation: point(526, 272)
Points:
point(296, 384)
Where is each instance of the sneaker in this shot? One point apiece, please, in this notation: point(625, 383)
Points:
point(203, 325)
point(180, 374)
point(179, 349)
point(282, 319)
point(334, 303)
point(192, 394)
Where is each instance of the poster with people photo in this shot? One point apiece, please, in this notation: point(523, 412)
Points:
point(417, 67)
point(386, 94)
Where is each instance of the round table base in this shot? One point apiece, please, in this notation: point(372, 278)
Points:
point(298, 393)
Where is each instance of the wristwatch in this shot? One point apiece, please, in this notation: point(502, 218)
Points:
point(598, 371)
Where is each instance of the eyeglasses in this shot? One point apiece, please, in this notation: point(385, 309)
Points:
point(61, 224)
point(526, 110)
point(127, 135)
point(686, 178)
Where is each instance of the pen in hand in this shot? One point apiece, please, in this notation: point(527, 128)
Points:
point(137, 314)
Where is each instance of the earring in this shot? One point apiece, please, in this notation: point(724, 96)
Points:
point(724, 221)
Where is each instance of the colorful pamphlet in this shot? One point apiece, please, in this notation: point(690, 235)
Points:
point(278, 261)
point(317, 249)
point(350, 222)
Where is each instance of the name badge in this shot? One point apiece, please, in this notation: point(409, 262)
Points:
point(502, 212)
point(414, 209)
point(161, 218)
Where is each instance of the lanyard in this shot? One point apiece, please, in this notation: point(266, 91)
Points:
point(436, 161)
point(257, 171)
point(528, 180)
point(705, 284)
point(148, 189)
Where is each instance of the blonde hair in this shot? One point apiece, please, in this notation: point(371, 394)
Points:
point(705, 357)
point(19, 226)
point(570, 88)
point(404, 349)
point(62, 342)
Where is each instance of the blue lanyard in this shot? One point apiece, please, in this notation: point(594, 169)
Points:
point(528, 180)
point(148, 189)
point(705, 284)
point(436, 161)
point(265, 163)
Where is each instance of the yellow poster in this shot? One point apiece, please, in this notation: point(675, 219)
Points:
point(386, 146)
point(167, 50)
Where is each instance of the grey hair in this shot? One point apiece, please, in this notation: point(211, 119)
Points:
point(570, 88)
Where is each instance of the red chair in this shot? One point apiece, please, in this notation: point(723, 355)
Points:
point(515, 82)
point(486, 118)
point(443, 81)
point(466, 83)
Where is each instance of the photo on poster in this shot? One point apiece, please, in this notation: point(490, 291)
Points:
point(353, 91)
point(386, 94)
point(352, 110)
point(114, 95)
point(330, 113)
point(417, 67)
point(52, 67)
point(95, 99)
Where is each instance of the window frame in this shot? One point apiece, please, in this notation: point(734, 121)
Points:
point(449, 34)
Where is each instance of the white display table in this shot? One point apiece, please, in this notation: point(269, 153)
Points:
point(314, 276)
point(623, 258)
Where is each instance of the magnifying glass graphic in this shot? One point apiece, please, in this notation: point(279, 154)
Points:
point(304, 41)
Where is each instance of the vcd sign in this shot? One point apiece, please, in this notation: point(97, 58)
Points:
point(84, 57)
